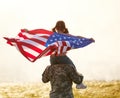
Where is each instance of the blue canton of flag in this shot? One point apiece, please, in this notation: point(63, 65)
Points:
point(74, 41)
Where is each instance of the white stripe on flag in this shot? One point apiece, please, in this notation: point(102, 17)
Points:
point(19, 38)
point(59, 49)
point(46, 53)
point(42, 34)
point(64, 49)
point(68, 44)
point(29, 50)
point(38, 45)
point(55, 43)
point(60, 43)
point(40, 38)
point(30, 59)
point(27, 34)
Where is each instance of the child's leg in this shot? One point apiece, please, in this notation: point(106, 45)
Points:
point(69, 61)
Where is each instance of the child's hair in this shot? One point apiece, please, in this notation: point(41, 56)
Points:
point(60, 26)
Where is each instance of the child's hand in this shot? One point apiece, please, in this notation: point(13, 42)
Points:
point(26, 30)
point(92, 39)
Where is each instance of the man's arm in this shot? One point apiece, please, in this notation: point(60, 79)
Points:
point(75, 76)
point(45, 75)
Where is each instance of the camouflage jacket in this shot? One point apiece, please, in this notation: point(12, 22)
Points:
point(61, 77)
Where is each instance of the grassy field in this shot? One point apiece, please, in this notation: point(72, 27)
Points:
point(95, 89)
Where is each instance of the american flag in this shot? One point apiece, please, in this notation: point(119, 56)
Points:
point(37, 43)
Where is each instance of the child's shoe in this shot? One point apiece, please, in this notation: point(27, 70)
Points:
point(81, 86)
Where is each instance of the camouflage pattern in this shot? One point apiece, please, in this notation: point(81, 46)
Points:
point(61, 77)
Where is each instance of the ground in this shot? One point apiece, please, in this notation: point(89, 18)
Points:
point(95, 89)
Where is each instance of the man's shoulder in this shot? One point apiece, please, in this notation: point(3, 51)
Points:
point(62, 66)
point(47, 67)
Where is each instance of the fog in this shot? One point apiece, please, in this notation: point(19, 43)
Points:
point(99, 19)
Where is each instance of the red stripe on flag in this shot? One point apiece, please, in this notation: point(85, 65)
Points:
point(32, 47)
point(29, 55)
point(23, 36)
point(38, 41)
point(64, 43)
point(25, 54)
point(45, 37)
point(68, 48)
point(61, 47)
point(49, 50)
point(42, 31)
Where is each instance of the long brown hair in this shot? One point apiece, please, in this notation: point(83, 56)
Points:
point(60, 27)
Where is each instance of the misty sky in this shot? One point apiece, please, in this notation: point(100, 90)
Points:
point(99, 19)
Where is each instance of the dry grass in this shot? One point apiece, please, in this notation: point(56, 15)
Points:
point(95, 89)
point(99, 89)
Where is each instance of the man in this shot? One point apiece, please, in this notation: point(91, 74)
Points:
point(61, 77)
